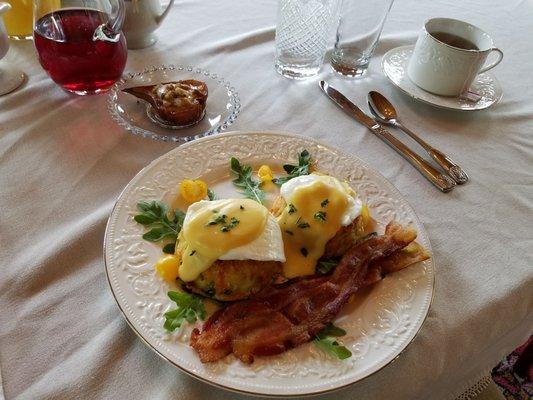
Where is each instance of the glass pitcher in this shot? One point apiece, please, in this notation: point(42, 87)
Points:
point(80, 43)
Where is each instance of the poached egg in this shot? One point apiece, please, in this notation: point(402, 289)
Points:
point(229, 229)
point(317, 207)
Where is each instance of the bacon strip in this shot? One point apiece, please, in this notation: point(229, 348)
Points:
point(281, 318)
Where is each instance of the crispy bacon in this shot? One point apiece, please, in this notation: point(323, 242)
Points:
point(397, 261)
point(278, 319)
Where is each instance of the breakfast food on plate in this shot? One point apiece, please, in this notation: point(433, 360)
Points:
point(312, 209)
point(282, 318)
point(229, 249)
point(180, 103)
point(285, 273)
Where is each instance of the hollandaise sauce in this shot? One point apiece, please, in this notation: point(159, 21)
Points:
point(213, 228)
point(317, 207)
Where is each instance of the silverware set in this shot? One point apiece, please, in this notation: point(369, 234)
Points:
point(385, 114)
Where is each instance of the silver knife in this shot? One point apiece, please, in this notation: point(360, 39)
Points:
point(440, 180)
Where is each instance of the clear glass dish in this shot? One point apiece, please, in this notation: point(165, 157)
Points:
point(223, 104)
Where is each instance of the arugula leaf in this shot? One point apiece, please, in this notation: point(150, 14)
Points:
point(211, 195)
point(190, 308)
point(155, 216)
point(304, 163)
point(326, 266)
point(179, 217)
point(156, 234)
point(145, 219)
point(169, 248)
point(331, 330)
point(334, 348)
point(243, 179)
point(324, 341)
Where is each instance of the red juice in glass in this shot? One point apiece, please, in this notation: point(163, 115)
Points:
point(70, 55)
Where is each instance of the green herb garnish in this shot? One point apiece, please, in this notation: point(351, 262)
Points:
point(320, 216)
point(223, 220)
point(324, 203)
point(334, 348)
point(169, 248)
point(303, 225)
point(192, 253)
point(326, 266)
point(211, 195)
point(292, 209)
point(304, 163)
point(324, 341)
point(289, 232)
point(331, 330)
point(190, 308)
point(243, 179)
point(219, 219)
point(233, 223)
point(241, 207)
point(162, 224)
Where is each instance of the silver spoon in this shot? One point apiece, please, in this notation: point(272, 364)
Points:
point(385, 112)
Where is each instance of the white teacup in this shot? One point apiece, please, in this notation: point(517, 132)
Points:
point(448, 55)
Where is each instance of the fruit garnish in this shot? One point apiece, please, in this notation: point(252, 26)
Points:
point(167, 267)
point(193, 190)
point(265, 174)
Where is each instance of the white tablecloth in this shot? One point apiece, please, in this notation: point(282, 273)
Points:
point(63, 161)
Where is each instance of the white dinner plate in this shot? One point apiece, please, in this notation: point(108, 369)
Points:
point(394, 64)
point(380, 323)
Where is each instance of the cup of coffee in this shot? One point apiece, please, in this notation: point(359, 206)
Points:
point(448, 55)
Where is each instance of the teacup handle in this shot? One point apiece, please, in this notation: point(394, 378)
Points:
point(493, 64)
point(160, 19)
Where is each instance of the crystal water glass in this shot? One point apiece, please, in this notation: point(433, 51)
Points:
point(303, 32)
point(360, 26)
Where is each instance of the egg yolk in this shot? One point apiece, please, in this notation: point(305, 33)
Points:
point(216, 229)
point(311, 218)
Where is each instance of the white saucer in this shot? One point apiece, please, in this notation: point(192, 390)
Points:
point(394, 64)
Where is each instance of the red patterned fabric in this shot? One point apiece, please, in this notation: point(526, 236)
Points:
point(515, 373)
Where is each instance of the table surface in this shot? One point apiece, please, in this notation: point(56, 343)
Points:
point(63, 162)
